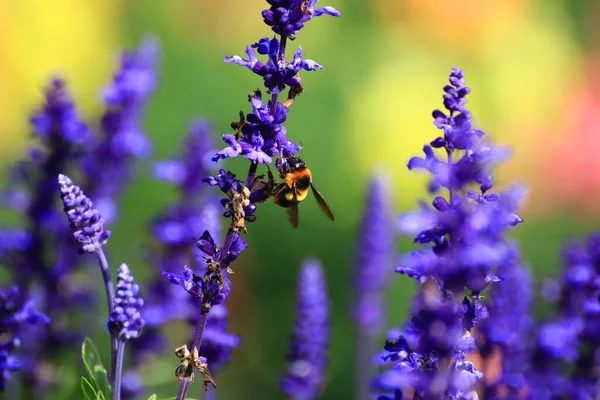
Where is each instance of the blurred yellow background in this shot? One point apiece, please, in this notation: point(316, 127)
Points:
point(532, 67)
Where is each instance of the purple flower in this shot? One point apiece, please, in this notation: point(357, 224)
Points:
point(187, 170)
point(261, 136)
point(462, 246)
point(396, 396)
point(125, 321)
point(213, 288)
point(236, 190)
point(567, 345)
point(287, 17)
point(8, 363)
point(108, 166)
point(39, 256)
point(176, 230)
point(307, 357)
point(510, 323)
point(374, 257)
point(16, 314)
point(211, 293)
point(277, 73)
point(458, 132)
point(217, 342)
point(85, 220)
point(59, 118)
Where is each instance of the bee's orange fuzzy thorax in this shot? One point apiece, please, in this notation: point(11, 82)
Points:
point(292, 177)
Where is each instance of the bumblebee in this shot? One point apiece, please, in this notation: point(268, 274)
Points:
point(297, 180)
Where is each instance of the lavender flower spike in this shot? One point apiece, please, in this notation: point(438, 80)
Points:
point(90, 236)
point(462, 249)
point(375, 252)
point(372, 275)
point(85, 220)
point(307, 358)
point(125, 321)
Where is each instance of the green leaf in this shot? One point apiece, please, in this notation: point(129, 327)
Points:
point(153, 397)
point(93, 364)
point(88, 390)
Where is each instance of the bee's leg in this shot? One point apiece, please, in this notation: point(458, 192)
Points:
point(271, 182)
point(280, 167)
point(279, 187)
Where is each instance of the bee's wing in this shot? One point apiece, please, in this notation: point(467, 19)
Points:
point(321, 201)
point(292, 211)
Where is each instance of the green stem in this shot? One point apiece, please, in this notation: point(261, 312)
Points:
point(110, 300)
point(118, 370)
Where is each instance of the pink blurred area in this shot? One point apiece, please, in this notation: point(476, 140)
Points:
point(571, 168)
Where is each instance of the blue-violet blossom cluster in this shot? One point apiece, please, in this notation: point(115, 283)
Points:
point(463, 245)
point(307, 357)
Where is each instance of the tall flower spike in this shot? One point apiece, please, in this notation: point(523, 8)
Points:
point(375, 251)
point(463, 244)
point(125, 321)
point(374, 257)
point(307, 356)
point(123, 139)
point(85, 220)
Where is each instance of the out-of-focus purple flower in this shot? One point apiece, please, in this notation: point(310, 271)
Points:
point(568, 344)
point(132, 384)
point(58, 117)
point(463, 244)
point(217, 342)
point(125, 321)
point(85, 220)
point(287, 17)
point(307, 357)
point(510, 324)
point(396, 396)
point(39, 255)
point(560, 338)
point(109, 166)
point(16, 313)
point(12, 240)
point(192, 164)
point(376, 248)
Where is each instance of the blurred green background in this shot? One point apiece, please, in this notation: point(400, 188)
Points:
point(533, 67)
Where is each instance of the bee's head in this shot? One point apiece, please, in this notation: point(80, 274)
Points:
point(295, 164)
